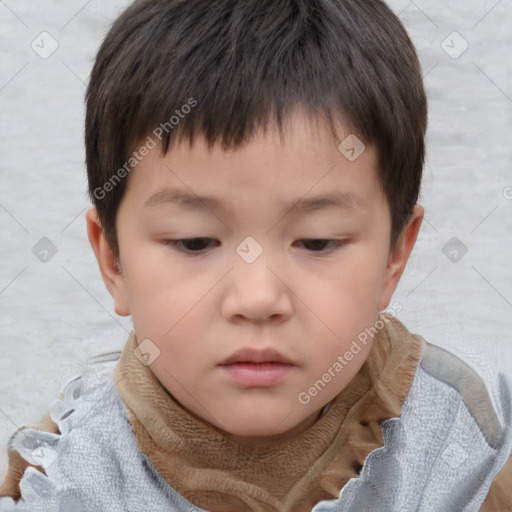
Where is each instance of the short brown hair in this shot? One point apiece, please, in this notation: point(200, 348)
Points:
point(249, 61)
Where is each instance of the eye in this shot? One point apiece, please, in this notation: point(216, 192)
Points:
point(316, 244)
point(191, 245)
point(197, 245)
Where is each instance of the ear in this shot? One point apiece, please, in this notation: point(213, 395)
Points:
point(399, 255)
point(107, 261)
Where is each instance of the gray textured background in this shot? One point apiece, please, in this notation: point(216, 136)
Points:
point(56, 313)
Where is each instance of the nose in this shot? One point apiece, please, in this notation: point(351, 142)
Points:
point(257, 292)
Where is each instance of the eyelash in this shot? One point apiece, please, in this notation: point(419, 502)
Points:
point(336, 244)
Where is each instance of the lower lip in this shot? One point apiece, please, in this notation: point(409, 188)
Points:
point(257, 375)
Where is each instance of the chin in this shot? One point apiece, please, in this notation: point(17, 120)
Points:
point(255, 437)
point(249, 426)
point(260, 427)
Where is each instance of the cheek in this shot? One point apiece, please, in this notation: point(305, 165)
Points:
point(357, 280)
point(147, 281)
point(348, 299)
point(165, 302)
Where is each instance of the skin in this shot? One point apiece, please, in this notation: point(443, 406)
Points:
point(308, 301)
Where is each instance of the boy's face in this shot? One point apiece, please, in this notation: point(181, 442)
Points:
point(257, 281)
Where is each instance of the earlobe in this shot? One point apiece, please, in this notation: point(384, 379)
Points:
point(400, 254)
point(108, 263)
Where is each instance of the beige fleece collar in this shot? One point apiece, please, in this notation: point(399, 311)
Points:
point(220, 475)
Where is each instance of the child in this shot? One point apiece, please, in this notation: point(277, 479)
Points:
point(254, 168)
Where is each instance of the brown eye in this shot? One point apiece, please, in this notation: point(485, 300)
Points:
point(319, 244)
point(189, 245)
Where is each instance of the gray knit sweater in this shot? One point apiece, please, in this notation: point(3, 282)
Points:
point(440, 455)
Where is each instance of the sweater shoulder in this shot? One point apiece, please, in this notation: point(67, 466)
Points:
point(94, 464)
point(456, 374)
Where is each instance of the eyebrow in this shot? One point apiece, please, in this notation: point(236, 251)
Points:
point(190, 201)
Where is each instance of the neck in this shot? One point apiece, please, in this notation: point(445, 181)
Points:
point(273, 439)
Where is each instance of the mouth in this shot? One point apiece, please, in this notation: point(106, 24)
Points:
point(257, 368)
point(251, 355)
point(257, 375)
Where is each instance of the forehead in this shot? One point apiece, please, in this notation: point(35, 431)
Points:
point(301, 167)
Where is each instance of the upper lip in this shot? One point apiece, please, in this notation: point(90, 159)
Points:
point(251, 355)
